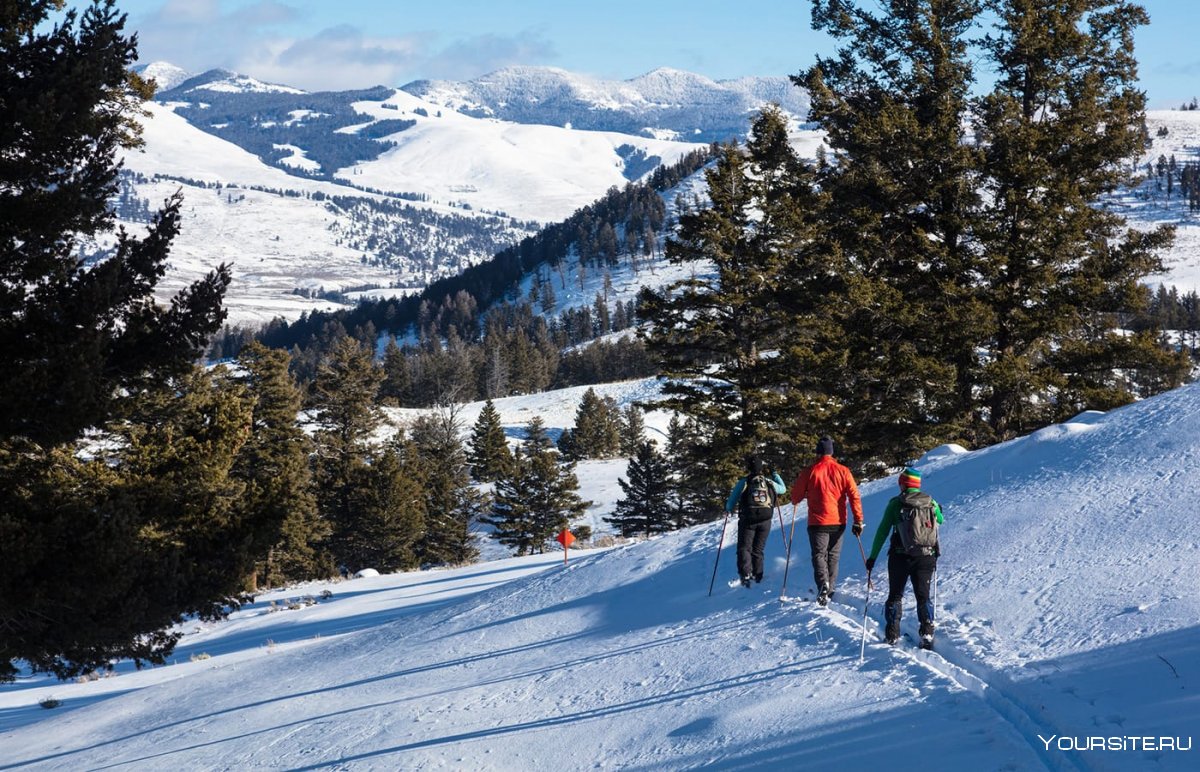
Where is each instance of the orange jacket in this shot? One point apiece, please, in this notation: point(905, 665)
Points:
point(827, 485)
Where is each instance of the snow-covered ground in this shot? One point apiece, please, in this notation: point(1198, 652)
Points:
point(1068, 617)
point(1182, 140)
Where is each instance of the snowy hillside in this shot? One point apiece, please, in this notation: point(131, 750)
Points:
point(531, 172)
point(1067, 611)
point(1173, 133)
point(280, 233)
point(441, 192)
point(664, 103)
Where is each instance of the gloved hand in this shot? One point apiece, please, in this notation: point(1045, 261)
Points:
point(857, 529)
point(870, 565)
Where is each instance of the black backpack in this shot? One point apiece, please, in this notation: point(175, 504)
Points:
point(758, 499)
point(917, 526)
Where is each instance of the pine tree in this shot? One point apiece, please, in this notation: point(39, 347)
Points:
point(388, 512)
point(548, 298)
point(693, 495)
point(148, 529)
point(396, 388)
point(633, 430)
point(1058, 126)
point(603, 318)
point(597, 427)
point(83, 344)
point(489, 455)
point(538, 499)
point(77, 338)
point(900, 189)
point(645, 508)
point(274, 467)
point(715, 336)
point(346, 417)
point(453, 506)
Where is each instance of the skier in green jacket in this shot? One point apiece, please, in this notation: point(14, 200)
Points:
point(912, 519)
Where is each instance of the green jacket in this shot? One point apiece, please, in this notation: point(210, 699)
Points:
point(891, 515)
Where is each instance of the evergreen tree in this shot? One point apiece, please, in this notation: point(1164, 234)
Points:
point(346, 417)
point(388, 512)
point(597, 432)
point(91, 572)
point(396, 388)
point(453, 506)
point(693, 496)
point(274, 467)
point(603, 318)
point(714, 335)
point(645, 507)
point(633, 430)
point(149, 529)
point(900, 187)
point(538, 499)
point(77, 337)
point(1064, 116)
point(489, 455)
point(548, 298)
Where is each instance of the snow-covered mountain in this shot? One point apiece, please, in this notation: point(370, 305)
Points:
point(165, 75)
point(317, 198)
point(224, 82)
point(1068, 639)
point(662, 103)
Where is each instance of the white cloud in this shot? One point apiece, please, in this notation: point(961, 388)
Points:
point(259, 40)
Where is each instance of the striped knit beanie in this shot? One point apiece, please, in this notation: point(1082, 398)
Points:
point(910, 478)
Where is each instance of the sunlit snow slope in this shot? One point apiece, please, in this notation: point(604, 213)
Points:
point(1067, 606)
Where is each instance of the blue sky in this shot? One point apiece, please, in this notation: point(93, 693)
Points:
point(331, 44)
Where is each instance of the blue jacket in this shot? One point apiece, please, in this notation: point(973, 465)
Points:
point(740, 486)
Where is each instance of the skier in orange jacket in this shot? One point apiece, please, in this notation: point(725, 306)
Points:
point(828, 487)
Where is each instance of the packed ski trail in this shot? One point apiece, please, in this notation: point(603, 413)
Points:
point(1067, 608)
point(621, 657)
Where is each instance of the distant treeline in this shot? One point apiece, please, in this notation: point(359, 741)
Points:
point(637, 211)
point(259, 122)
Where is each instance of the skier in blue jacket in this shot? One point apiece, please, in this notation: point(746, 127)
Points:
point(755, 496)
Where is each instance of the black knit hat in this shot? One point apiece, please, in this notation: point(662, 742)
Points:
point(754, 465)
point(825, 447)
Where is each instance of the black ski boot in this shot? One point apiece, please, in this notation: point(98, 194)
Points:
point(823, 597)
point(927, 637)
point(892, 635)
point(746, 581)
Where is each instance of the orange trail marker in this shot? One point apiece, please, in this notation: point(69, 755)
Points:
point(566, 539)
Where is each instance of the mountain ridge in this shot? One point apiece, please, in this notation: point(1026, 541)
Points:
point(664, 102)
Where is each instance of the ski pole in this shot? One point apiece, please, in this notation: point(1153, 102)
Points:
point(933, 611)
point(862, 649)
point(788, 562)
point(782, 529)
point(717, 562)
point(863, 552)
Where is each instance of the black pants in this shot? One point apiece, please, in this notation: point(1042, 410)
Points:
point(752, 540)
point(902, 568)
point(826, 544)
